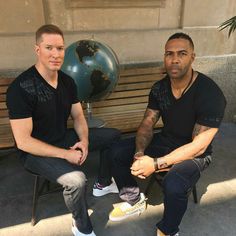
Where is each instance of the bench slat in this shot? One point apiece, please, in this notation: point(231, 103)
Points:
point(6, 137)
point(120, 109)
point(2, 97)
point(134, 86)
point(127, 94)
point(4, 121)
point(139, 78)
point(142, 70)
point(119, 101)
point(6, 81)
point(3, 113)
point(3, 89)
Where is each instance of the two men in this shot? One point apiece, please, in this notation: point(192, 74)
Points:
point(40, 101)
point(192, 107)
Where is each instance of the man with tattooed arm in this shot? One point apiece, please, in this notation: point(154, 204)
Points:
point(192, 107)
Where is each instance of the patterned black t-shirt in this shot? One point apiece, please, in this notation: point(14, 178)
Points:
point(31, 96)
point(203, 103)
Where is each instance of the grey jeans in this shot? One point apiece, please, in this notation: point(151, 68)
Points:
point(73, 181)
point(71, 176)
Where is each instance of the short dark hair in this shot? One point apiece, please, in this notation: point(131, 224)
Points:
point(47, 29)
point(181, 35)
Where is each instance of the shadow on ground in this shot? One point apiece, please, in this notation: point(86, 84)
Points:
point(215, 213)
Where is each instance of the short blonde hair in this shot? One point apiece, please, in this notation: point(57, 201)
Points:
point(47, 29)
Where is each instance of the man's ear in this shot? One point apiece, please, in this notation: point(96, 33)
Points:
point(193, 56)
point(36, 49)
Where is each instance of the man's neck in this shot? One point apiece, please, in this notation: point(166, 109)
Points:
point(50, 77)
point(181, 85)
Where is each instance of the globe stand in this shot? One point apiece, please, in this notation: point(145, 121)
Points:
point(93, 122)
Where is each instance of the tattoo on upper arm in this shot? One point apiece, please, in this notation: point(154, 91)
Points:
point(154, 115)
point(199, 129)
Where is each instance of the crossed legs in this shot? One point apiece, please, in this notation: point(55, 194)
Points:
point(177, 183)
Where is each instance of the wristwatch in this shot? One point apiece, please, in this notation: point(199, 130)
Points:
point(155, 163)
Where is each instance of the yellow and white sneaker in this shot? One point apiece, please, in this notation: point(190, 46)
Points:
point(125, 210)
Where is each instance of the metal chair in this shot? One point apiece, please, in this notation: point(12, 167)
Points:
point(42, 187)
point(158, 178)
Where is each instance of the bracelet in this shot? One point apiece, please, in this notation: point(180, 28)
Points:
point(139, 152)
point(155, 160)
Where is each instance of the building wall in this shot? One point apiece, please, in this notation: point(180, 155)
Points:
point(137, 35)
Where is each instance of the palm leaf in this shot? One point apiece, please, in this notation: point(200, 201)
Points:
point(231, 23)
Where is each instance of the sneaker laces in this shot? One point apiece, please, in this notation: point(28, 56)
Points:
point(125, 206)
point(98, 186)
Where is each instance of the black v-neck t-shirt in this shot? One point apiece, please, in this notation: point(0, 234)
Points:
point(31, 96)
point(203, 103)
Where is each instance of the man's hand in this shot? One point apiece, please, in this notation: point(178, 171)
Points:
point(83, 148)
point(137, 155)
point(74, 156)
point(143, 167)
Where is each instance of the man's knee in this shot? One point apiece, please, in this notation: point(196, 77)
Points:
point(73, 179)
point(181, 178)
point(174, 185)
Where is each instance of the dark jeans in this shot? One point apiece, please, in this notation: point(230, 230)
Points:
point(177, 183)
point(71, 176)
point(103, 139)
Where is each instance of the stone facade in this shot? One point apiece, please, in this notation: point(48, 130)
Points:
point(136, 34)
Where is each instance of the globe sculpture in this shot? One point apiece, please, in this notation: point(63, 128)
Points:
point(95, 69)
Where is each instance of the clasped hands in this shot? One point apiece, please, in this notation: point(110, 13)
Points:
point(144, 165)
point(77, 154)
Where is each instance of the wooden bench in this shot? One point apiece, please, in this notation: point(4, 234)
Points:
point(123, 109)
point(6, 136)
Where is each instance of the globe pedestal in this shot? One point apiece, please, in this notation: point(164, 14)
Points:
point(91, 121)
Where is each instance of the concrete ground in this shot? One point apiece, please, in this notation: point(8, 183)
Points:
point(215, 214)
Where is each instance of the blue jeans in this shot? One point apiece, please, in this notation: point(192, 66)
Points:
point(177, 183)
point(71, 176)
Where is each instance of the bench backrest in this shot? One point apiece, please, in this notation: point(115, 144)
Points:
point(123, 109)
point(6, 137)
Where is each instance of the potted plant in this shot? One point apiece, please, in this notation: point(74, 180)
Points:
point(231, 23)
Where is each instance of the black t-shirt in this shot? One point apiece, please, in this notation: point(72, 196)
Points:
point(31, 96)
point(203, 103)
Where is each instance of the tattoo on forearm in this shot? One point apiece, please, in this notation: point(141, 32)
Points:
point(145, 131)
point(143, 139)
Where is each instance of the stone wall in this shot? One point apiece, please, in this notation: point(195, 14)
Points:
point(222, 69)
point(136, 34)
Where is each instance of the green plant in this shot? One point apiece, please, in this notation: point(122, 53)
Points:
point(231, 23)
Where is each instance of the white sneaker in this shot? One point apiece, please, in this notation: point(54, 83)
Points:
point(159, 233)
point(125, 210)
point(76, 232)
point(99, 190)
